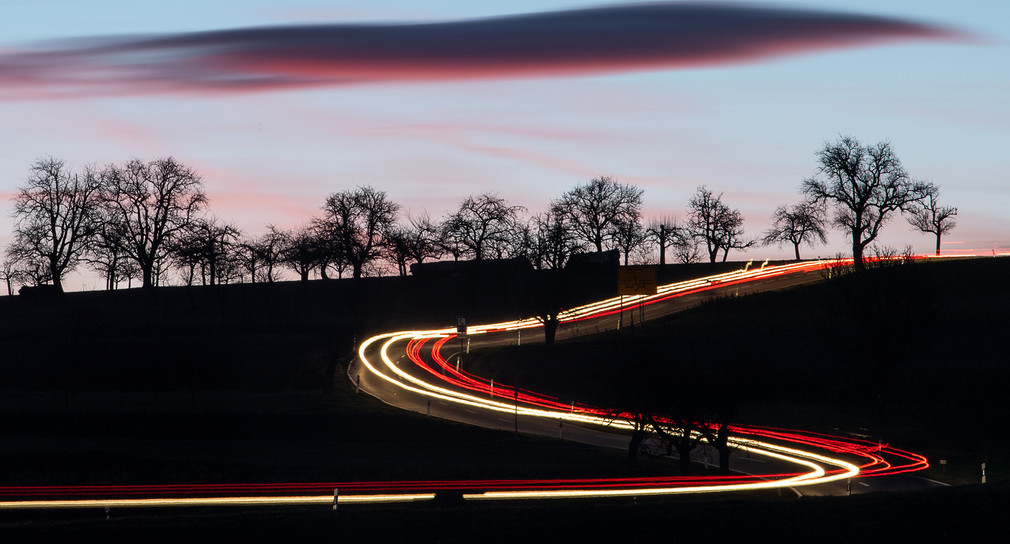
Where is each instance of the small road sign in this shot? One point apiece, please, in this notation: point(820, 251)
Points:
point(636, 280)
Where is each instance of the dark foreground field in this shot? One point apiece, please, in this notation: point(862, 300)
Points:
point(236, 393)
point(963, 514)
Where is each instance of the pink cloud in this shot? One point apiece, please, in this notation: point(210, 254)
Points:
point(585, 41)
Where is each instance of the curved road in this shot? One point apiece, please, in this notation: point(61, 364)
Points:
point(418, 371)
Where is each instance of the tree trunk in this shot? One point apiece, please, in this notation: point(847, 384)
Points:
point(796, 248)
point(857, 253)
point(938, 244)
point(145, 271)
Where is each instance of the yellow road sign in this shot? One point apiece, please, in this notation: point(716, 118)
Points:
point(636, 280)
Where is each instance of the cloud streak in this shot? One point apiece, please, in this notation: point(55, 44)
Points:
point(575, 42)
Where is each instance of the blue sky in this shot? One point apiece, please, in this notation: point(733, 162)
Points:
point(748, 128)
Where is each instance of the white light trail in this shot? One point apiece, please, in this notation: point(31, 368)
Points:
point(812, 463)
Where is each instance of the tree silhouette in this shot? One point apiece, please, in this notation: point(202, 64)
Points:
point(260, 256)
point(928, 216)
point(866, 184)
point(803, 223)
point(484, 226)
point(550, 241)
point(151, 204)
point(301, 251)
point(716, 224)
point(416, 241)
point(356, 224)
point(56, 214)
point(596, 210)
point(630, 236)
point(211, 246)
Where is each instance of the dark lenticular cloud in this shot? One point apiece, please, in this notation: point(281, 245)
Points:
point(585, 41)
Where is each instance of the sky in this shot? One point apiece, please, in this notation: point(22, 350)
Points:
point(279, 104)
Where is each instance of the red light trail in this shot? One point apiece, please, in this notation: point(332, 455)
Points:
point(818, 458)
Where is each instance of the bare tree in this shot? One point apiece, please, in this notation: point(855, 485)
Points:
point(11, 272)
point(484, 226)
point(55, 215)
point(107, 253)
point(686, 250)
point(928, 216)
point(260, 256)
point(151, 204)
point(417, 240)
point(803, 223)
point(397, 252)
point(209, 245)
point(866, 184)
point(302, 251)
point(716, 224)
point(550, 241)
point(356, 224)
point(24, 265)
point(595, 211)
point(630, 236)
point(667, 233)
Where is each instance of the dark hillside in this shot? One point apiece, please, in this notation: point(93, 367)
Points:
point(246, 336)
point(915, 353)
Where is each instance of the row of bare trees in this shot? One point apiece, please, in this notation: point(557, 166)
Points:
point(139, 220)
point(121, 219)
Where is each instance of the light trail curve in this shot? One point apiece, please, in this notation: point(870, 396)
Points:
point(817, 458)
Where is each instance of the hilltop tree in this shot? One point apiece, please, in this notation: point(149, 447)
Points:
point(866, 184)
point(416, 241)
point(668, 234)
point(803, 223)
point(356, 225)
point(151, 204)
point(928, 216)
point(260, 256)
point(484, 226)
point(24, 266)
point(56, 215)
point(596, 210)
point(550, 241)
point(301, 251)
point(630, 236)
point(11, 272)
point(209, 245)
point(716, 224)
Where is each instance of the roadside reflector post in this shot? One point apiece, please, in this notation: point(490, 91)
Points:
point(336, 495)
point(983, 472)
point(848, 487)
